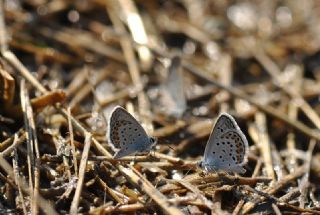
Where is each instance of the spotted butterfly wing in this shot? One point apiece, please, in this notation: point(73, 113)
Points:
point(126, 134)
point(227, 147)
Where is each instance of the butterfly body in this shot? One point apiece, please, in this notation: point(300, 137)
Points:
point(126, 134)
point(227, 147)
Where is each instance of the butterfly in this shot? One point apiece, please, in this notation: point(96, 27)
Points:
point(126, 135)
point(172, 97)
point(227, 147)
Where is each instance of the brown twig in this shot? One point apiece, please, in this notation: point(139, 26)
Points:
point(24, 97)
point(9, 148)
point(82, 170)
point(73, 148)
point(16, 176)
point(137, 29)
point(263, 143)
point(304, 183)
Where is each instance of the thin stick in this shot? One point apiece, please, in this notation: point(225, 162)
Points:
point(16, 176)
point(35, 208)
point(13, 60)
point(73, 148)
point(82, 170)
point(137, 29)
point(15, 144)
point(30, 148)
point(276, 210)
point(291, 143)
point(264, 143)
point(238, 207)
point(3, 34)
point(304, 183)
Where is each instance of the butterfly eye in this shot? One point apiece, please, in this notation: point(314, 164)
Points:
point(152, 140)
point(200, 164)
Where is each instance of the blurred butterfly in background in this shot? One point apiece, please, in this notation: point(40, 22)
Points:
point(172, 98)
point(126, 135)
point(227, 147)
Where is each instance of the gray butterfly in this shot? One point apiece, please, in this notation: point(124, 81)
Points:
point(126, 134)
point(227, 147)
point(172, 97)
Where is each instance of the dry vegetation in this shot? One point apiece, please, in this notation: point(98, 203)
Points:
point(65, 64)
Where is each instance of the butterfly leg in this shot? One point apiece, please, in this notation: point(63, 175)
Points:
point(134, 158)
point(132, 162)
point(225, 172)
point(202, 174)
point(212, 168)
point(154, 153)
point(149, 153)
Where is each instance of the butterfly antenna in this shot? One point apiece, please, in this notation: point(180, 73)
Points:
point(186, 173)
point(171, 148)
